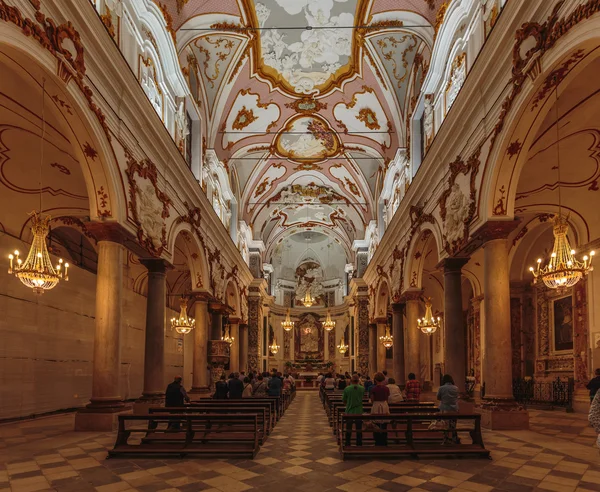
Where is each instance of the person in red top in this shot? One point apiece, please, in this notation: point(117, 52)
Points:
point(413, 388)
point(379, 397)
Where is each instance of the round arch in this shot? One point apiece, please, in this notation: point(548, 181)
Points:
point(185, 237)
point(425, 240)
point(382, 300)
point(232, 299)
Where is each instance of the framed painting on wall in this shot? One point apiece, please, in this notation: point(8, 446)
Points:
point(562, 324)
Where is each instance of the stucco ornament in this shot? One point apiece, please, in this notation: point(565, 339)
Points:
point(457, 211)
point(181, 126)
point(217, 275)
point(428, 116)
point(149, 209)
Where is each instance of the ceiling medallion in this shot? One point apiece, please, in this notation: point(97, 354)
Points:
point(244, 118)
point(183, 324)
point(37, 272)
point(306, 105)
point(369, 118)
point(428, 324)
point(307, 139)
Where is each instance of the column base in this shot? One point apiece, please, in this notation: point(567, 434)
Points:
point(581, 400)
point(503, 415)
point(95, 420)
point(142, 404)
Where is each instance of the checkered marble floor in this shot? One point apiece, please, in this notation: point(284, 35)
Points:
point(300, 455)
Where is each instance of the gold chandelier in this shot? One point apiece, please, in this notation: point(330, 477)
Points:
point(37, 271)
point(387, 340)
point(342, 347)
point(288, 324)
point(563, 269)
point(308, 300)
point(328, 324)
point(274, 348)
point(183, 324)
point(227, 337)
point(428, 323)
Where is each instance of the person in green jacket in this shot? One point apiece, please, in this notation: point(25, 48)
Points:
point(353, 399)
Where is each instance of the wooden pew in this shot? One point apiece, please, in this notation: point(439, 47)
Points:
point(273, 404)
point(338, 407)
point(412, 436)
point(259, 410)
point(210, 435)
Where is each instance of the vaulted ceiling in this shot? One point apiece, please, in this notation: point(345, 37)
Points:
point(306, 120)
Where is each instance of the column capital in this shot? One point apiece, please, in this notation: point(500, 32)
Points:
point(219, 308)
point(452, 264)
point(491, 230)
point(234, 321)
point(398, 307)
point(381, 321)
point(156, 265)
point(411, 295)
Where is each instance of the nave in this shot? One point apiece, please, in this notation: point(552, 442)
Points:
point(301, 455)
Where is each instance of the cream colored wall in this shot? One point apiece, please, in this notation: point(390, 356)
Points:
point(47, 342)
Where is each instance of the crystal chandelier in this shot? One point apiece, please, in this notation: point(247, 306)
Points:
point(328, 324)
point(387, 340)
point(37, 271)
point(288, 324)
point(183, 324)
point(227, 337)
point(308, 300)
point(563, 269)
point(342, 347)
point(428, 323)
point(274, 348)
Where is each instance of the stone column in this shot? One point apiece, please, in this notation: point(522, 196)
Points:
point(381, 350)
point(499, 410)
point(216, 327)
point(106, 401)
point(363, 341)
point(234, 348)
point(372, 349)
point(413, 334)
point(398, 368)
point(253, 333)
point(154, 346)
point(454, 322)
point(243, 347)
point(200, 382)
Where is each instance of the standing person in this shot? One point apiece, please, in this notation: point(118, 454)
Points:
point(448, 396)
point(275, 386)
point(368, 384)
point(287, 384)
point(379, 398)
point(329, 382)
point(320, 378)
point(221, 389)
point(594, 384)
point(241, 375)
point(175, 396)
point(594, 416)
point(341, 383)
point(261, 387)
point(235, 386)
point(353, 399)
point(395, 392)
point(247, 393)
point(413, 388)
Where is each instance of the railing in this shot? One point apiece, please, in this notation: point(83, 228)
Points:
point(556, 393)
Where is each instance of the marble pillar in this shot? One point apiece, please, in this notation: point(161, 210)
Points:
point(499, 411)
point(234, 348)
point(363, 335)
point(413, 334)
point(381, 350)
point(455, 362)
point(243, 347)
point(372, 349)
point(106, 401)
point(398, 368)
point(200, 382)
point(154, 346)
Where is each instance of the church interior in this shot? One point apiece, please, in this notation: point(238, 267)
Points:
point(317, 192)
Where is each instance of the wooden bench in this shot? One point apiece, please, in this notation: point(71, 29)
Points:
point(273, 404)
point(338, 407)
point(259, 410)
point(412, 436)
point(227, 436)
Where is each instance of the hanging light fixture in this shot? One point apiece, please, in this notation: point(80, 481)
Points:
point(183, 324)
point(428, 323)
point(274, 348)
point(37, 272)
point(342, 347)
point(563, 270)
point(308, 300)
point(227, 337)
point(387, 340)
point(288, 324)
point(328, 324)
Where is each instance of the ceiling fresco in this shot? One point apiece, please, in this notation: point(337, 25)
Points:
point(300, 115)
